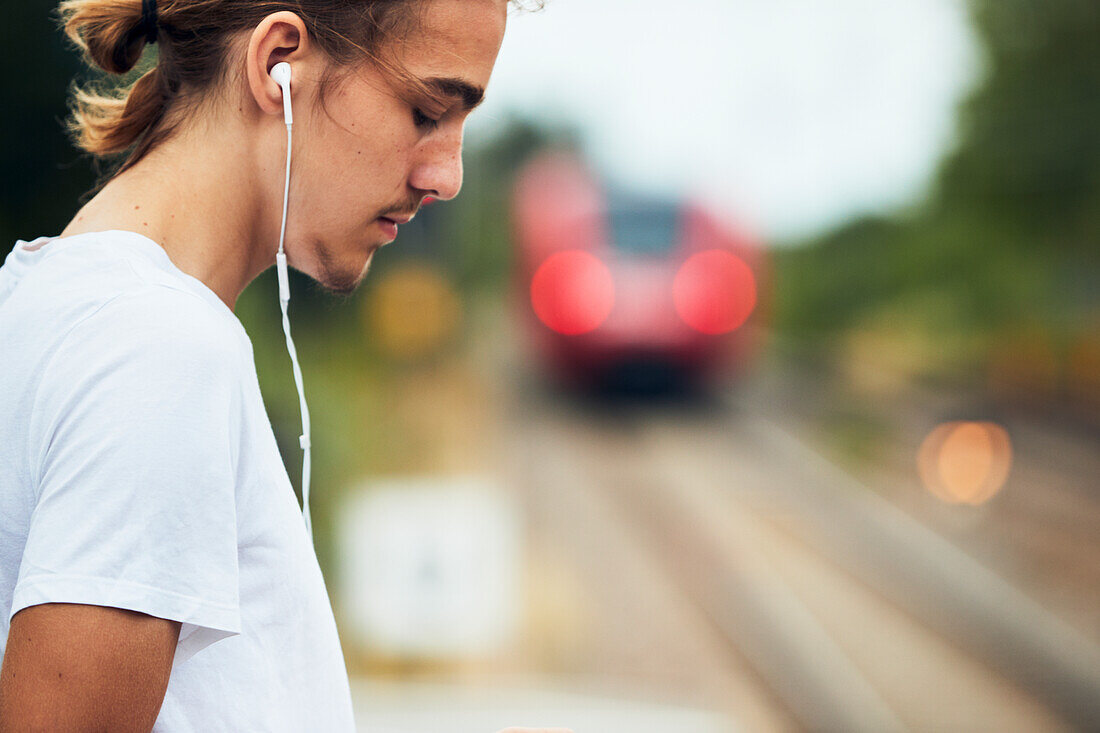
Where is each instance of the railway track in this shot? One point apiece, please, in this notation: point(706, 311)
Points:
point(756, 574)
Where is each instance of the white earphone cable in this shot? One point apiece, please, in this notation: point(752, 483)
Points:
point(284, 299)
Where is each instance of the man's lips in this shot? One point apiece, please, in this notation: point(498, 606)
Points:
point(389, 226)
point(389, 223)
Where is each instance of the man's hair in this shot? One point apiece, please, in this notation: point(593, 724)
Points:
point(194, 42)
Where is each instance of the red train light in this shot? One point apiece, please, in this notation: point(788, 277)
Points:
point(714, 292)
point(572, 292)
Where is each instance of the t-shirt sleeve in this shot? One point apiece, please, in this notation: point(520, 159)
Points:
point(136, 500)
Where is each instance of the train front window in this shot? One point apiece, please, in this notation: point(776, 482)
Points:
point(647, 231)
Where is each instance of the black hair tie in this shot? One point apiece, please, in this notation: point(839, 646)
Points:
point(149, 20)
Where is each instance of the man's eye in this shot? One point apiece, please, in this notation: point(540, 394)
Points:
point(422, 120)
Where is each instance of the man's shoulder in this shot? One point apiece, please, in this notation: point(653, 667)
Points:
point(153, 316)
point(97, 285)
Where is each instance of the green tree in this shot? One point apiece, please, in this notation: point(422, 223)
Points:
point(1031, 133)
point(1008, 235)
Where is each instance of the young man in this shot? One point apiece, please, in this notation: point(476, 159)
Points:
point(155, 569)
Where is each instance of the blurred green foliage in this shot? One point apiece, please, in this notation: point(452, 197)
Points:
point(1031, 151)
point(1007, 239)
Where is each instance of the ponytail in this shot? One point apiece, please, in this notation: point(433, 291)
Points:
point(108, 122)
point(108, 31)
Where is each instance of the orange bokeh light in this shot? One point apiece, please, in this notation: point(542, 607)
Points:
point(965, 462)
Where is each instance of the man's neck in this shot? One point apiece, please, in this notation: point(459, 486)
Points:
point(196, 196)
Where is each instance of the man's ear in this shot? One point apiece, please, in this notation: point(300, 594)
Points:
point(279, 37)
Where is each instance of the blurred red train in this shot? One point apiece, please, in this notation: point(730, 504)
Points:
point(630, 292)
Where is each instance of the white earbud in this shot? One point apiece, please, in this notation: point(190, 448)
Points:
point(280, 72)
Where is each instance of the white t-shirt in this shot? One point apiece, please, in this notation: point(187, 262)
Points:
point(138, 469)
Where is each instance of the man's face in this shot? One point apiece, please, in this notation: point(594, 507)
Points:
point(376, 155)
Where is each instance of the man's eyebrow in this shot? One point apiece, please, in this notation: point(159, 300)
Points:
point(470, 95)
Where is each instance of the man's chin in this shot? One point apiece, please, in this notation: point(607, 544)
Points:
point(342, 282)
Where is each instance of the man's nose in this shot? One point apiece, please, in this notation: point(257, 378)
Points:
point(439, 173)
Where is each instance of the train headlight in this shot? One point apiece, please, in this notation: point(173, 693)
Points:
point(714, 292)
point(572, 292)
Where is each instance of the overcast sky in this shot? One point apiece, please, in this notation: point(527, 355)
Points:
point(791, 115)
